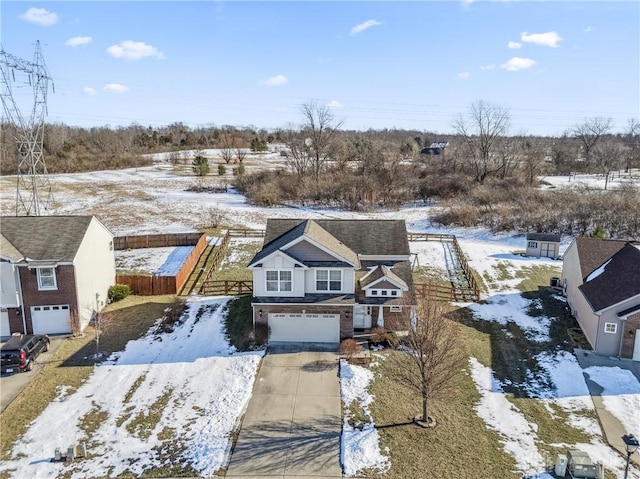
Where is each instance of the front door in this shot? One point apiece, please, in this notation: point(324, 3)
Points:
point(636, 347)
point(362, 317)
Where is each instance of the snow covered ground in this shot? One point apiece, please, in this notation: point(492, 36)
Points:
point(197, 388)
point(155, 199)
point(360, 448)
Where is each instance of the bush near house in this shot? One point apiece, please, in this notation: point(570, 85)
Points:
point(118, 292)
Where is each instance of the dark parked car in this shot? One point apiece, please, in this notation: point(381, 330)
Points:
point(19, 353)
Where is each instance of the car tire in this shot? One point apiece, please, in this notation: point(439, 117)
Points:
point(29, 366)
point(47, 344)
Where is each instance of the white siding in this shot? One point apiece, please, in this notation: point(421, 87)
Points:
point(95, 268)
point(9, 297)
point(572, 277)
point(278, 262)
point(348, 281)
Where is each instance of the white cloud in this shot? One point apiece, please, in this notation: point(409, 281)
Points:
point(334, 104)
point(487, 67)
point(589, 29)
point(549, 39)
point(77, 41)
point(130, 50)
point(464, 75)
point(91, 91)
point(514, 45)
point(518, 63)
point(363, 26)
point(115, 88)
point(40, 16)
point(276, 80)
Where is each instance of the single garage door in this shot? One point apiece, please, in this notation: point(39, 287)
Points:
point(54, 319)
point(5, 330)
point(305, 328)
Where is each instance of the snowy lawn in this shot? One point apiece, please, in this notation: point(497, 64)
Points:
point(360, 448)
point(165, 261)
point(168, 402)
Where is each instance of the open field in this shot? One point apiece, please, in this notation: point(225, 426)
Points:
point(519, 352)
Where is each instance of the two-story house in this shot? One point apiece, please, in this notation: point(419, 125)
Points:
point(55, 273)
point(601, 279)
point(319, 280)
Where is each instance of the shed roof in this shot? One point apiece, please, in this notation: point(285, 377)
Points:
point(44, 237)
point(543, 237)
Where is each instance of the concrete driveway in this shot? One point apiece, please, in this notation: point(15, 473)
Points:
point(293, 421)
point(12, 384)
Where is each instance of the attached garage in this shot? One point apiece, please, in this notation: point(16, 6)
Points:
point(304, 328)
point(5, 329)
point(53, 319)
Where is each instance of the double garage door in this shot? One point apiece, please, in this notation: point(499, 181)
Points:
point(5, 330)
point(304, 328)
point(54, 319)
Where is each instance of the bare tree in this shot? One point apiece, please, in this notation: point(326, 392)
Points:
point(298, 151)
point(225, 140)
point(320, 129)
point(533, 159)
point(482, 131)
point(608, 157)
point(590, 132)
point(431, 359)
point(240, 151)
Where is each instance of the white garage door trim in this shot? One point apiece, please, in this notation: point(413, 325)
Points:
point(304, 328)
point(51, 319)
point(5, 327)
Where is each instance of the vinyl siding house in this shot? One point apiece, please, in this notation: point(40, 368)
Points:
point(543, 245)
point(319, 280)
point(601, 279)
point(53, 269)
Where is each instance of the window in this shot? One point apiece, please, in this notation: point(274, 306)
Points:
point(278, 281)
point(532, 244)
point(374, 292)
point(394, 293)
point(610, 328)
point(46, 278)
point(328, 280)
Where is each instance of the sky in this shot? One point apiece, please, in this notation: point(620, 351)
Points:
point(385, 64)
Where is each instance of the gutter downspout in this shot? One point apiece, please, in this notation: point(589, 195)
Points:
point(624, 323)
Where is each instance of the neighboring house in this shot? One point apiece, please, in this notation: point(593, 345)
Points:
point(601, 279)
point(319, 280)
point(543, 244)
point(435, 148)
point(53, 269)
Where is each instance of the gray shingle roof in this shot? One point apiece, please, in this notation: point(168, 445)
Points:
point(620, 280)
point(382, 271)
point(543, 237)
point(593, 252)
point(364, 237)
point(45, 237)
point(314, 298)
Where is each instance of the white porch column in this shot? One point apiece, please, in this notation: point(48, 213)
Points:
point(380, 322)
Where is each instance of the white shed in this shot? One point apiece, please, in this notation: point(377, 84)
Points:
point(543, 244)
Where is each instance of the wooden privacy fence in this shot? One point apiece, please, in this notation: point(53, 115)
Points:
point(155, 240)
point(473, 284)
point(149, 285)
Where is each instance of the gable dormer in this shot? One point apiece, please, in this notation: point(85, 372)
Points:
point(382, 282)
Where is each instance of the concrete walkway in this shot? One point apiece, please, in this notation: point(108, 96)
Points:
point(611, 426)
point(293, 422)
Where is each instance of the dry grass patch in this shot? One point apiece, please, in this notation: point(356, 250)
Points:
point(143, 424)
point(435, 453)
point(236, 257)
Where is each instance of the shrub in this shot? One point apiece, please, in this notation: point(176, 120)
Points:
point(238, 170)
point(221, 170)
point(378, 335)
point(118, 292)
point(349, 347)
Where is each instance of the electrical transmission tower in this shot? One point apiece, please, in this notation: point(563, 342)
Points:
point(33, 192)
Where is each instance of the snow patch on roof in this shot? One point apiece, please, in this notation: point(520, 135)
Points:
point(597, 272)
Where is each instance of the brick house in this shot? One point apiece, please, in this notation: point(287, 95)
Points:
point(601, 279)
point(55, 272)
point(319, 280)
